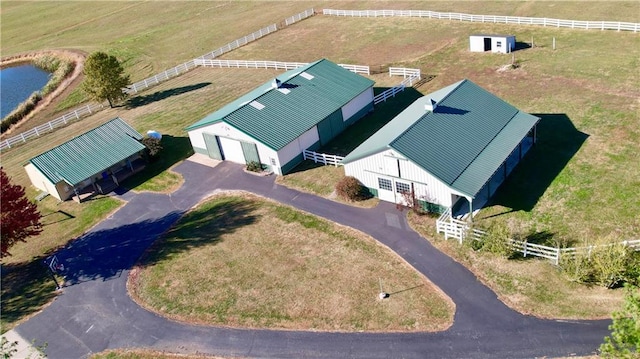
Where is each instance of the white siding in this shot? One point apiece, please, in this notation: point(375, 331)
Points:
point(39, 181)
point(295, 147)
point(225, 130)
point(357, 103)
point(426, 187)
point(476, 43)
point(507, 43)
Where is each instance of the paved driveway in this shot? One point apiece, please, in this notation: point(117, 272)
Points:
point(95, 313)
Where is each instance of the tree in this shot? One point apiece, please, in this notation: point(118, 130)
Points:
point(624, 341)
point(20, 218)
point(104, 78)
point(153, 146)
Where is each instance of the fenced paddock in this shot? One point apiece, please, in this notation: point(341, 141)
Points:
point(541, 21)
point(327, 160)
point(248, 64)
point(460, 230)
point(410, 76)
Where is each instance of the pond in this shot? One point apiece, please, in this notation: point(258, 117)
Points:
point(17, 84)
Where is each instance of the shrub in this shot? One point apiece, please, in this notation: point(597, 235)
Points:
point(576, 268)
point(610, 263)
point(350, 189)
point(254, 166)
point(498, 241)
point(153, 146)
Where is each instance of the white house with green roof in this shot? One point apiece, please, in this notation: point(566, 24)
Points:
point(92, 162)
point(455, 145)
point(273, 124)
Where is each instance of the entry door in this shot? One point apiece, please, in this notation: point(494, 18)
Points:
point(213, 147)
point(386, 190)
point(487, 44)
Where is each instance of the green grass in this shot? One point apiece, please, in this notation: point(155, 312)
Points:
point(588, 81)
point(260, 264)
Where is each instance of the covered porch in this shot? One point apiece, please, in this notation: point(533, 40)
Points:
point(108, 180)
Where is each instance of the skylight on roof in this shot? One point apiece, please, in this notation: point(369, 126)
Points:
point(257, 105)
point(284, 90)
point(306, 75)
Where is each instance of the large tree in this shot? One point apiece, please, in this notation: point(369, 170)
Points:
point(104, 78)
point(20, 217)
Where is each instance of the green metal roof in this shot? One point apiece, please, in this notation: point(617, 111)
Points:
point(462, 143)
point(276, 118)
point(90, 153)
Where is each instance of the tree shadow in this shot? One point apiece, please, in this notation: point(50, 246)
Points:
point(174, 150)
point(557, 142)
point(26, 288)
point(105, 254)
point(138, 101)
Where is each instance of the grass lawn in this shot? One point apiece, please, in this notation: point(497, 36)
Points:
point(528, 285)
point(580, 183)
point(148, 354)
point(239, 260)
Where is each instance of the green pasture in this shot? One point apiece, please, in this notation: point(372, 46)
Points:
point(580, 182)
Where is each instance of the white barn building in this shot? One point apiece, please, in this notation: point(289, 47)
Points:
point(453, 146)
point(493, 43)
point(273, 124)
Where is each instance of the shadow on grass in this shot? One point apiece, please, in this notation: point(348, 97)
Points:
point(138, 101)
point(521, 46)
point(557, 142)
point(26, 289)
point(174, 150)
point(105, 254)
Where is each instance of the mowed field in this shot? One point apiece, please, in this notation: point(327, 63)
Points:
point(579, 184)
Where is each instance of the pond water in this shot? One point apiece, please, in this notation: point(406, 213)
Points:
point(17, 84)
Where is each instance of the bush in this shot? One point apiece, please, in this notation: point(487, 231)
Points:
point(576, 268)
point(498, 241)
point(153, 146)
point(254, 166)
point(610, 264)
point(350, 189)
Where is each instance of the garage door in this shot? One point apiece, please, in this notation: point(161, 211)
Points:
point(213, 148)
point(231, 150)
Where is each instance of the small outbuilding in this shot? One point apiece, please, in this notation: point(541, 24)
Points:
point(493, 43)
point(273, 124)
point(93, 162)
point(451, 148)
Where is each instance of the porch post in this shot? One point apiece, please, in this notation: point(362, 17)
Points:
point(519, 151)
point(470, 209)
point(115, 180)
point(93, 183)
point(75, 190)
point(535, 135)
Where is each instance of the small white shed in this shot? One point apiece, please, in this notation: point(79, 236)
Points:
point(492, 43)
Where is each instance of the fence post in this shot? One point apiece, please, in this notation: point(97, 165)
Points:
point(557, 256)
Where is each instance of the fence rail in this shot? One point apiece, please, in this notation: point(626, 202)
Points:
point(316, 157)
point(301, 16)
point(460, 230)
point(148, 82)
point(410, 76)
point(75, 115)
point(574, 24)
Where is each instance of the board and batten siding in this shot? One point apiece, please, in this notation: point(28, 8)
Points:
point(359, 102)
point(223, 129)
point(392, 165)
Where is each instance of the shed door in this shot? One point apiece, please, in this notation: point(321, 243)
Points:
point(250, 152)
point(487, 44)
point(213, 147)
point(385, 190)
point(231, 150)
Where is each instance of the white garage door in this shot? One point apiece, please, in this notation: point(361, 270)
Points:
point(231, 150)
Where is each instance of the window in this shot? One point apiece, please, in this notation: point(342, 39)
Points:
point(499, 44)
point(384, 184)
point(402, 187)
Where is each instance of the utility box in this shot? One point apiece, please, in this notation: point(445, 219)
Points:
point(492, 43)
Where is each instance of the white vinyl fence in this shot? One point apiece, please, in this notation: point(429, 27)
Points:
point(248, 64)
point(324, 158)
point(51, 125)
point(410, 76)
point(574, 24)
point(460, 230)
point(134, 88)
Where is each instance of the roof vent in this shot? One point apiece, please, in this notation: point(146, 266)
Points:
point(276, 83)
point(431, 105)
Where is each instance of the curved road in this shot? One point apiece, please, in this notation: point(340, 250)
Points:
point(95, 313)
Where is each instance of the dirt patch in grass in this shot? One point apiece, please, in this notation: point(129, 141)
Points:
point(150, 354)
point(242, 261)
point(528, 285)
